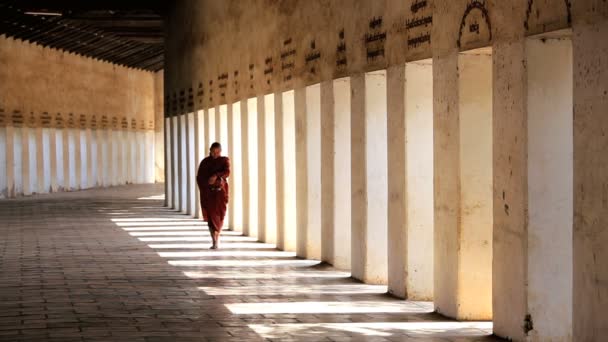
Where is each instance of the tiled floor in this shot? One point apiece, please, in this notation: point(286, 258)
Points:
point(113, 265)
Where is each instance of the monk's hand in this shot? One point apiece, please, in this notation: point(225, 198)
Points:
point(212, 179)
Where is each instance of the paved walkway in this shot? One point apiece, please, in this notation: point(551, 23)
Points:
point(113, 265)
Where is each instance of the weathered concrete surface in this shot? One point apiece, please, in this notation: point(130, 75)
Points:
point(590, 235)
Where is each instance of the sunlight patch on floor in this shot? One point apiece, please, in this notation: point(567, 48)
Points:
point(326, 307)
point(378, 329)
point(245, 263)
point(273, 290)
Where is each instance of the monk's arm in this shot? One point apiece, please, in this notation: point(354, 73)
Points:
point(224, 172)
point(200, 181)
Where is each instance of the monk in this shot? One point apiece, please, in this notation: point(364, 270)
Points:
point(213, 187)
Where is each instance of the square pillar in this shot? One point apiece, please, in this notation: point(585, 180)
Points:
point(190, 165)
point(197, 158)
point(230, 153)
point(410, 168)
point(335, 173)
point(236, 159)
point(41, 167)
point(463, 184)
point(245, 170)
point(279, 170)
point(590, 235)
point(269, 172)
point(168, 166)
point(261, 167)
point(252, 165)
point(369, 177)
point(286, 204)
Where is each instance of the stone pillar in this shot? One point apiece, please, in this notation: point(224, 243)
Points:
point(197, 159)
point(10, 161)
point(590, 270)
point(245, 174)
point(218, 125)
point(288, 128)
point(369, 178)
point(230, 154)
point(269, 173)
point(66, 158)
point(237, 167)
point(180, 164)
point(252, 165)
point(301, 172)
point(279, 170)
point(335, 173)
point(174, 167)
point(78, 159)
point(184, 163)
point(101, 170)
point(39, 161)
point(189, 164)
point(25, 161)
point(52, 157)
point(397, 173)
point(89, 156)
point(313, 174)
point(167, 156)
point(410, 167)
point(463, 185)
point(261, 167)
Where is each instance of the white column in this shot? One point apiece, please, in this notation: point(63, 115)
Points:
point(65, 134)
point(301, 172)
point(101, 166)
point(168, 166)
point(40, 169)
point(245, 173)
point(218, 121)
point(3, 162)
point(252, 165)
point(180, 163)
point(313, 174)
point(288, 127)
point(52, 158)
point(410, 168)
point(25, 161)
point(189, 164)
point(463, 185)
point(183, 164)
point(230, 154)
point(369, 177)
point(550, 193)
point(335, 173)
point(237, 167)
point(269, 174)
point(279, 170)
point(261, 167)
point(174, 166)
point(590, 238)
point(197, 159)
point(89, 158)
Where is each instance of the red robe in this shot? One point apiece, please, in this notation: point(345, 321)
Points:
point(214, 197)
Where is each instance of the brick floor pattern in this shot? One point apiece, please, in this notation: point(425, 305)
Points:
point(114, 265)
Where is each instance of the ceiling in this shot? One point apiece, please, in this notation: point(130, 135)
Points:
point(127, 32)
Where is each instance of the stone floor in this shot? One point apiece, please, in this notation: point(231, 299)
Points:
point(114, 265)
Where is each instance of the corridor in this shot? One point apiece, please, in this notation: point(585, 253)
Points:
point(113, 264)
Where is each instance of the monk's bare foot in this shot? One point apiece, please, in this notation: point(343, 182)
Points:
point(213, 247)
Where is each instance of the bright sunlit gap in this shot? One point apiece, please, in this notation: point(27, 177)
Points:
point(379, 329)
point(162, 224)
point(238, 274)
point(223, 246)
point(328, 307)
point(216, 253)
point(199, 238)
point(274, 290)
point(245, 263)
point(155, 219)
point(153, 197)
